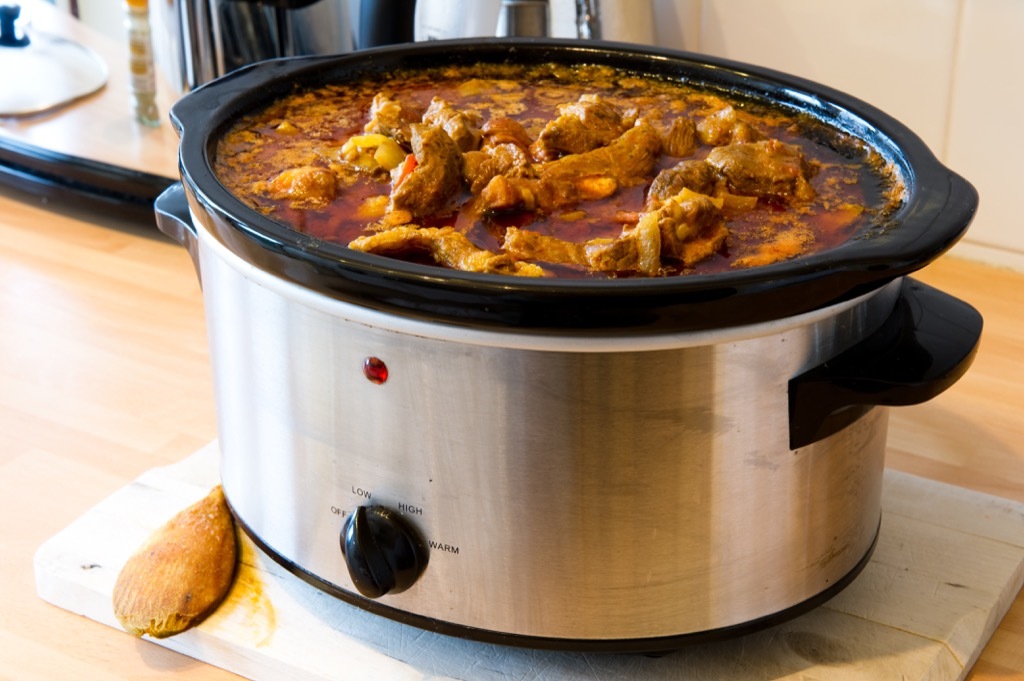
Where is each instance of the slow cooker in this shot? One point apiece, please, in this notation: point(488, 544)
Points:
point(622, 465)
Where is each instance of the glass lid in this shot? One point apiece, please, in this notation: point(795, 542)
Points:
point(42, 71)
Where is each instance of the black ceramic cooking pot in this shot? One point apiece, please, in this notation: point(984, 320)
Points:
point(939, 205)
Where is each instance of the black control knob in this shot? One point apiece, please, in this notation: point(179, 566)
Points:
point(383, 552)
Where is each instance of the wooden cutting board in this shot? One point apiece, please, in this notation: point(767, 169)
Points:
point(948, 564)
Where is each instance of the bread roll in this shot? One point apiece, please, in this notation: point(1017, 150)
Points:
point(181, 574)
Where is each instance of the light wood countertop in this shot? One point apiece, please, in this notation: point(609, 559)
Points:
point(104, 373)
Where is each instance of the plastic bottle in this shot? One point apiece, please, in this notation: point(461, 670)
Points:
point(140, 62)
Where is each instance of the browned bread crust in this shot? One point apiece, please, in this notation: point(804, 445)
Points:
point(181, 574)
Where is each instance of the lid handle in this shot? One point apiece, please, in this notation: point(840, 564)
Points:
point(174, 219)
point(8, 30)
point(924, 347)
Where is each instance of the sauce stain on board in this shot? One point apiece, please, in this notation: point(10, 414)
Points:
point(247, 610)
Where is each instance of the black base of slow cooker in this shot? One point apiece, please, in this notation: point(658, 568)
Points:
point(651, 646)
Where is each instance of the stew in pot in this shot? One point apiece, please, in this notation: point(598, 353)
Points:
point(553, 170)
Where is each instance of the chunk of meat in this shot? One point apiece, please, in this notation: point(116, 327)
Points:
point(697, 176)
point(691, 226)
point(304, 187)
point(508, 159)
point(477, 170)
point(768, 168)
point(593, 175)
point(526, 244)
point(637, 250)
point(504, 193)
point(504, 130)
point(444, 246)
point(725, 126)
point(392, 118)
point(628, 159)
point(686, 229)
point(462, 126)
point(681, 138)
point(432, 185)
point(580, 126)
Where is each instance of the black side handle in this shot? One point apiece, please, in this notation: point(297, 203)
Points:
point(927, 343)
point(174, 219)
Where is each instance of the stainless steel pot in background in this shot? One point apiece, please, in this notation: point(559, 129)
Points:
point(630, 21)
point(209, 38)
point(201, 40)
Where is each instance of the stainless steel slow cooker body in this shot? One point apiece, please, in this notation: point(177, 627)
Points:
point(599, 465)
point(565, 488)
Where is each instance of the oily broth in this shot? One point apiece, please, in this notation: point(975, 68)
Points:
point(255, 149)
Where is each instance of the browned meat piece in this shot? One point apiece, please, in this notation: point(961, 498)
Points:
point(477, 170)
point(706, 245)
point(524, 244)
point(507, 194)
point(502, 130)
point(687, 229)
point(479, 167)
point(504, 193)
point(444, 246)
point(392, 118)
point(636, 250)
point(697, 176)
point(580, 126)
point(305, 187)
point(769, 168)
point(628, 159)
point(690, 225)
point(593, 175)
point(462, 126)
point(430, 188)
point(725, 127)
point(681, 138)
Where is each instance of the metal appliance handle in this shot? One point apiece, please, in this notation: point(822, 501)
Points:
point(174, 218)
point(927, 343)
point(198, 54)
point(523, 18)
point(385, 23)
point(588, 20)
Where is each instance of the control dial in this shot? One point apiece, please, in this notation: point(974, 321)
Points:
point(383, 552)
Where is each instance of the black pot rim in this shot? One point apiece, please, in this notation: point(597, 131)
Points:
point(939, 207)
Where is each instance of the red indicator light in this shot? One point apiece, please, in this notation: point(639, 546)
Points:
point(375, 370)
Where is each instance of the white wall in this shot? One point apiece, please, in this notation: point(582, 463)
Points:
point(952, 70)
point(105, 16)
